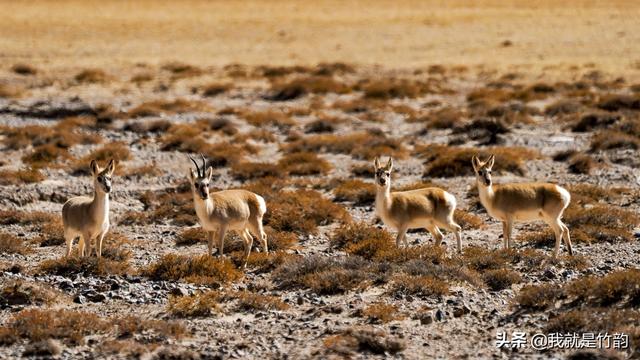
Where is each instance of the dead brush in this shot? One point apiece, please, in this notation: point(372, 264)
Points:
point(357, 191)
point(500, 279)
point(617, 102)
point(284, 90)
point(621, 288)
point(579, 163)
point(324, 124)
point(468, 220)
point(20, 292)
point(67, 325)
point(363, 340)
point(18, 177)
point(388, 88)
point(218, 124)
point(198, 305)
point(302, 211)
point(162, 107)
point(360, 145)
point(154, 127)
point(92, 76)
point(611, 139)
point(115, 150)
point(171, 205)
point(11, 244)
point(180, 70)
point(72, 265)
point(254, 170)
point(203, 270)
point(357, 232)
point(382, 313)
point(250, 302)
point(422, 287)
point(215, 89)
point(268, 118)
point(450, 161)
point(444, 118)
point(24, 69)
point(323, 276)
point(304, 164)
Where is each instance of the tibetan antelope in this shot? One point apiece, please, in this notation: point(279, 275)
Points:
point(218, 212)
point(429, 208)
point(86, 217)
point(522, 202)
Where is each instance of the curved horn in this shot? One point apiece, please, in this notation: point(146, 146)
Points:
point(196, 164)
point(204, 165)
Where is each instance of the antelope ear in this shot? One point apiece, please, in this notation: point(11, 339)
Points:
point(209, 173)
point(376, 163)
point(94, 167)
point(111, 167)
point(390, 164)
point(491, 160)
point(192, 176)
point(475, 162)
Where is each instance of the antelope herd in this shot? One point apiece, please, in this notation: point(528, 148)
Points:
point(242, 211)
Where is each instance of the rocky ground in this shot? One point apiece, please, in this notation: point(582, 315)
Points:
point(406, 114)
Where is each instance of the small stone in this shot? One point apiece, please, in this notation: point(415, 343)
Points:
point(177, 291)
point(45, 348)
point(426, 319)
point(99, 297)
point(440, 315)
point(66, 285)
point(79, 299)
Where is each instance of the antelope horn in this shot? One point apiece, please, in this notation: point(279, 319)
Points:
point(196, 164)
point(204, 165)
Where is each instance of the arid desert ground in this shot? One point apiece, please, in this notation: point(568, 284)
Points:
point(293, 101)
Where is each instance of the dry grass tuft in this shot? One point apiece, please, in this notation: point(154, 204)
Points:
point(361, 145)
point(300, 86)
point(203, 269)
point(91, 76)
point(162, 107)
point(68, 325)
point(199, 305)
point(467, 220)
point(394, 88)
point(11, 244)
point(21, 292)
point(301, 211)
point(18, 177)
point(322, 275)
point(24, 69)
point(303, 164)
point(621, 288)
point(363, 340)
point(382, 313)
point(67, 266)
point(450, 161)
point(419, 286)
point(500, 279)
point(248, 301)
point(269, 118)
point(251, 170)
point(611, 139)
point(357, 191)
point(119, 151)
point(215, 89)
point(181, 70)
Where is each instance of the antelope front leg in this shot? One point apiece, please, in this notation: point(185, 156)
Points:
point(222, 231)
point(211, 235)
point(99, 240)
point(402, 232)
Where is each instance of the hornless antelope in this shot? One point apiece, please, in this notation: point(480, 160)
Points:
point(238, 210)
point(88, 218)
point(427, 208)
point(523, 202)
